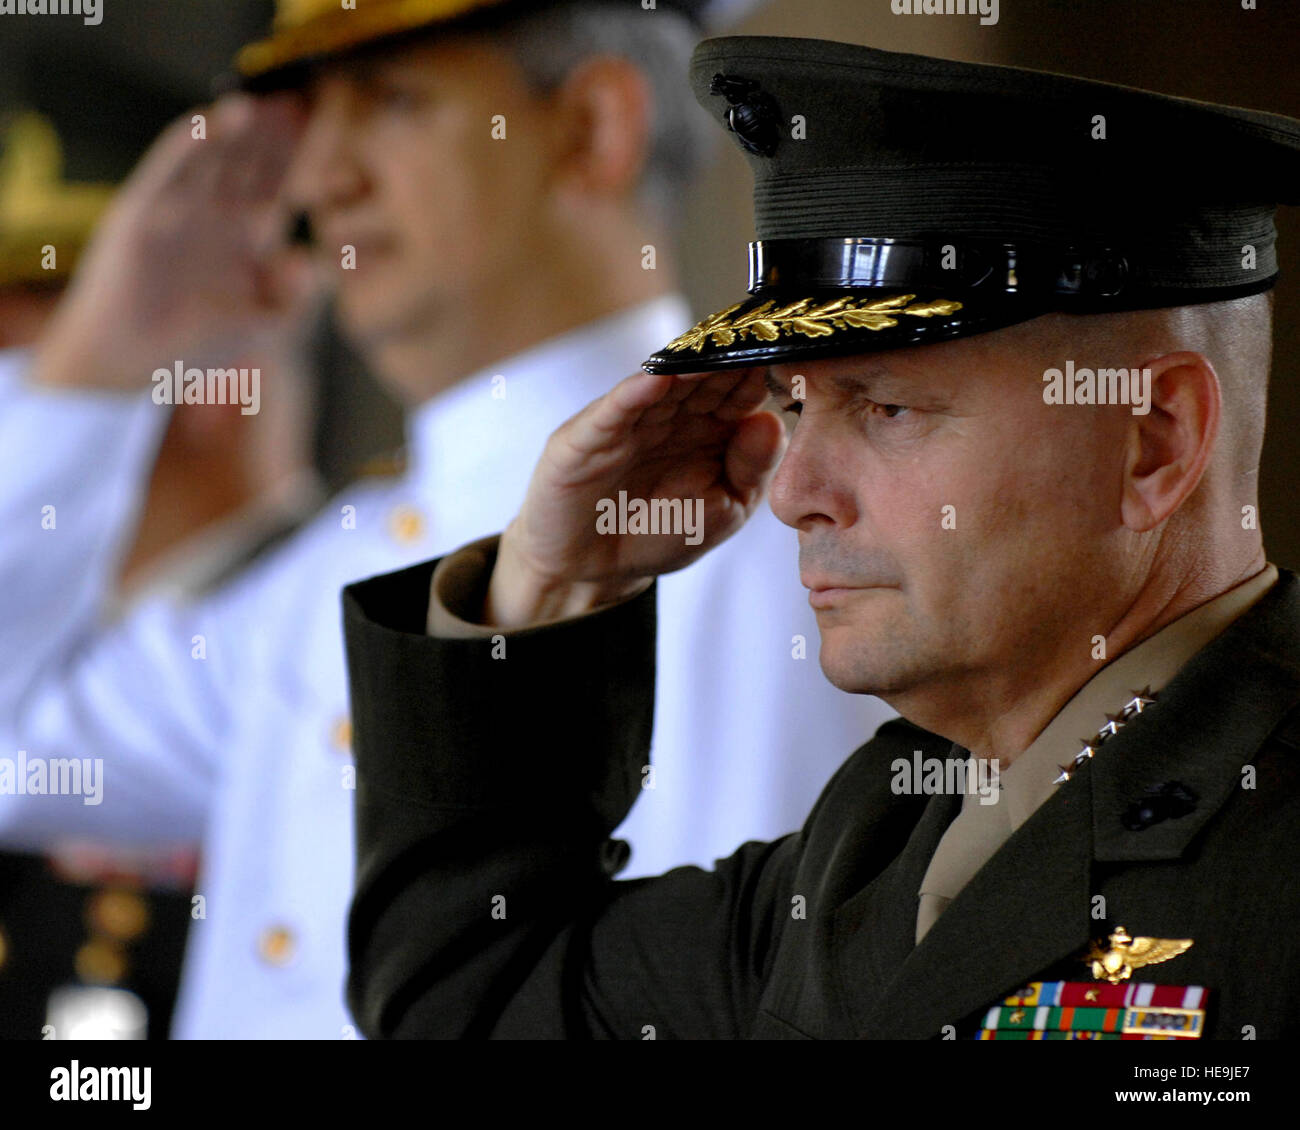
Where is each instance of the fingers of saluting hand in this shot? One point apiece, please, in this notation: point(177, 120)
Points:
point(259, 145)
point(708, 393)
point(644, 401)
point(237, 150)
point(690, 417)
point(607, 422)
point(745, 396)
point(727, 394)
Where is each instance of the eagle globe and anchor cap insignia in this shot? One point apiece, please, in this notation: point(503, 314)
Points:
point(751, 113)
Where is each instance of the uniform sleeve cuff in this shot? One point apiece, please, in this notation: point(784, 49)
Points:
point(459, 589)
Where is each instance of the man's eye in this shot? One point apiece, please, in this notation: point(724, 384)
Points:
point(890, 411)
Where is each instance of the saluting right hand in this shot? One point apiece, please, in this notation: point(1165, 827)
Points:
point(697, 436)
point(191, 260)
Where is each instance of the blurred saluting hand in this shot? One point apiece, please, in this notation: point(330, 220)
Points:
point(192, 261)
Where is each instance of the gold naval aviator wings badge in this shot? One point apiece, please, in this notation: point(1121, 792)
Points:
point(1126, 954)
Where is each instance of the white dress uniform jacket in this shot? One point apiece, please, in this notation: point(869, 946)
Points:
point(226, 720)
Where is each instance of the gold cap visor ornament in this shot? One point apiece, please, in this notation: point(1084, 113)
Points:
point(306, 30)
point(768, 329)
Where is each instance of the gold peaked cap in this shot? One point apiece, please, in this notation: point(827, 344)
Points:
point(310, 29)
point(37, 207)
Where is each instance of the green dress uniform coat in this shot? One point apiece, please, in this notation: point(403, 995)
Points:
point(486, 903)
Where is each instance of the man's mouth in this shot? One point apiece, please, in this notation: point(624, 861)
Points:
point(829, 597)
point(825, 592)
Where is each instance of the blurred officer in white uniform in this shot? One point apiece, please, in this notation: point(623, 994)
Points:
point(490, 192)
point(100, 927)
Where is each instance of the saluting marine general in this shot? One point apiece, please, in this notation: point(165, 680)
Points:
point(1075, 591)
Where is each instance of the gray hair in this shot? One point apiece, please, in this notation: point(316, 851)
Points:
point(548, 45)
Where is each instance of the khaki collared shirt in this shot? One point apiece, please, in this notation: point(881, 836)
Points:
point(980, 829)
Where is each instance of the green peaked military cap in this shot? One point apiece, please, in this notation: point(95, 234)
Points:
point(901, 200)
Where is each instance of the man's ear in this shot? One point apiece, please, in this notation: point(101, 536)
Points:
point(605, 109)
point(1171, 444)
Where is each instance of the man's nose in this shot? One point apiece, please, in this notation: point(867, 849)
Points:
point(325, 169)
point(812, 484)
